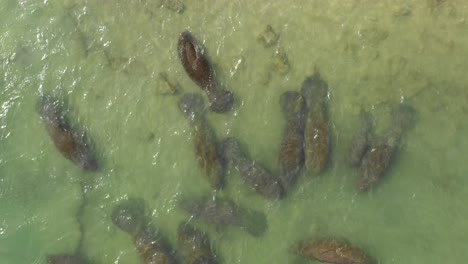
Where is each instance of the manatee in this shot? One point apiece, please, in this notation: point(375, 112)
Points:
point(379, 157)
point(374, 165)
point(152, 248)
point(252, 173)
point(194, 246)
point(317, 130)
point(196, 64)
point(291, 155)
point(205, 142)
point(71, 144)
point(332, 251)
point(224, 212)
point(129, 216)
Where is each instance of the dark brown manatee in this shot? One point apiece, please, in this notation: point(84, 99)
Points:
point(252, 173)
point(152, 248)
point(317, 130)
point(194, 246)
point(332, 251)
point(361, 140)
point(70, 143)
point(196, 64)
point(65, 259)
point(204, 140)
point(224, 212)
point(291, 155)
point(130, 217)
point(379, 157)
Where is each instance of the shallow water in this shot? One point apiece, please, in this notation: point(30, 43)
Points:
point(104, 59)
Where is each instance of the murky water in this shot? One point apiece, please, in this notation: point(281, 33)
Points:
point(104, 59)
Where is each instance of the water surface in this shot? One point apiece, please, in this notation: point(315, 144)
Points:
point(104, 58)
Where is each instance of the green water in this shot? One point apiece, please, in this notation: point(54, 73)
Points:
point(104, 58)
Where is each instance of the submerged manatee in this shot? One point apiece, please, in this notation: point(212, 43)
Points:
point(71, 144)
point(152, 248)
point(332, 251)
point(317, 131)
point(252, 173)
point(129, 216)
point(361, 140)
point(205, 143)
point(378, 159)
point(194, 60)
point(194, 246)
point(374, 165)
point(291, 156)
point(222, 212)
point(65, 259)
